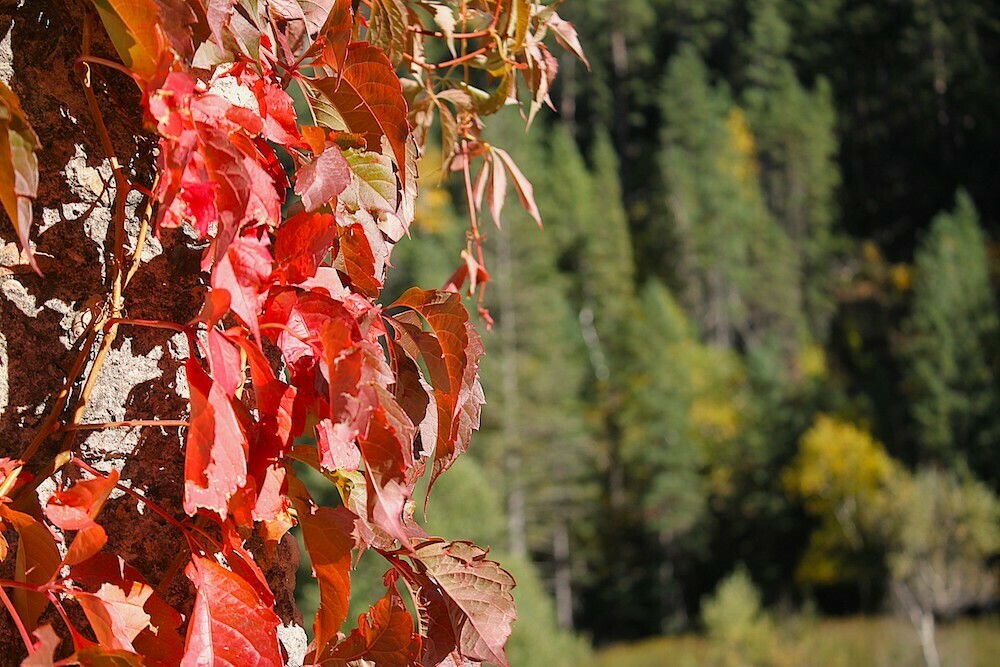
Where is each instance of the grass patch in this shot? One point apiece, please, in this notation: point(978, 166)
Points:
point(849, 642)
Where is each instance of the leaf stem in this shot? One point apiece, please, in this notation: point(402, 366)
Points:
point(25, 637)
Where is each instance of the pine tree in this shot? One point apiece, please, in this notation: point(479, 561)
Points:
point(534, 438)
point(737, 266)
point(796, 151)
point(664, 456)
point(948, 345)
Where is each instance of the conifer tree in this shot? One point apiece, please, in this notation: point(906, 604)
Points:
point(948, 345)
point(796, 146)
point(737, 266)
point(534, 437)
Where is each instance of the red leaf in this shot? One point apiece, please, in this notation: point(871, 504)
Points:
point(160, 644)
point(301, 243)
point(370, 100)
point(384, 636)
point(323, 179)
point(327, 535)
point(214, 309)
point(245, 271)
point(215, 464)
point(230, 626)
point(200, 201)
point(358, 260)
point(388, 456)
point(224, 361)
point(76, 509)
point(445, 351)
point(18, 168)
point(278, 421)
point(278, 111)
point(43, 651)
point(336, 444)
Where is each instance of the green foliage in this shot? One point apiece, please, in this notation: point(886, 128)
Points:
point(743, 634)
point(946, 528)
point(736, 262)
point(796, 150)
point(949, 344)
point(660, 438)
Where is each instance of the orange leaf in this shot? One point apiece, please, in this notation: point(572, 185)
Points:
point(37, 563)
point(134, 28)
point(116, 615)
point(327, 535)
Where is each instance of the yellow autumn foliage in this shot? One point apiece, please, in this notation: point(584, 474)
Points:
point(839, 464)
point(741, 158)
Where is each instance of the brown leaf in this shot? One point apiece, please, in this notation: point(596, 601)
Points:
point(370, 100)
point(384, 636)
point(476, 592)
point(18, 168)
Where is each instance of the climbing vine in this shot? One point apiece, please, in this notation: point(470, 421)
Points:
point(288, 137)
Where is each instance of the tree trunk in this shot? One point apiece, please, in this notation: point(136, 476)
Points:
point(928, 641)
point(43, 320)
point(563, 576)
point(516, 512)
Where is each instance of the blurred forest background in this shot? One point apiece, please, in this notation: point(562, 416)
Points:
point(742, 390)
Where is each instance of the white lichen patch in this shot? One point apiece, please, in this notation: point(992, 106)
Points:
point(18, 295)
point(295, 642)
point(7, 56)
point(122, 371)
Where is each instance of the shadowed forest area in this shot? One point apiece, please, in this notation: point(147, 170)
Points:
point(742, 389)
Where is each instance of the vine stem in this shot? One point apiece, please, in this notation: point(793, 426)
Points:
point(150, 324)
point(454, 61)
point(165, 423)
point(17, 619)
point(122, 188)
